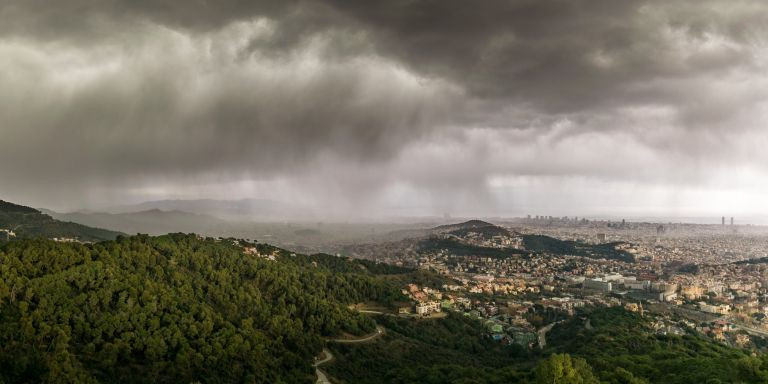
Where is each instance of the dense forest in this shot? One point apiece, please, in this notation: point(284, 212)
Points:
point(450, 350)
point(458, 248)
point(175, 308)
point(341, 264)
point(604, 346)
point(29, 222)
point(623, 348)
point(547, 244)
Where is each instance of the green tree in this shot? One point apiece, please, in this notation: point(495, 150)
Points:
point(173, 308)
point(564, 369)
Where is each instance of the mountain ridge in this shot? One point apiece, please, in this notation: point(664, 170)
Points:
point(152, 221)
point(258, 209)
point(30, 222)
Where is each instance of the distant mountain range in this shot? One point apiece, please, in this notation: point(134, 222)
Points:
point(153, 221)
point(239, 210)
point(30, 222)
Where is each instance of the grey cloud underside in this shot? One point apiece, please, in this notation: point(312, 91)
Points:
point(439, 96)
point(174, 103)
point(490, 46)
point(544, 53)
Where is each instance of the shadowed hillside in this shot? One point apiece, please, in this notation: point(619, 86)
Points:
point(29, 222)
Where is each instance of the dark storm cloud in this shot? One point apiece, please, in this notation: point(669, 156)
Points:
point(561, 56)
point(376, 96)
point(570, 56)
point(174, 104)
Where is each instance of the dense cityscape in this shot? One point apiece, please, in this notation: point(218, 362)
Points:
point(708, 278)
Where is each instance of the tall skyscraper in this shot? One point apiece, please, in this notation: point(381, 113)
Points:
point(731, 220)
point(723, 220)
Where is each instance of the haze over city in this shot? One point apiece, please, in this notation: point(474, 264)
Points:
point(389, 108)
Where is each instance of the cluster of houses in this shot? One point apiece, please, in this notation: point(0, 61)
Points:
point(66, 240)
point(6, 234)
point(505, 324)
point(509, 324)
point(253, 251)
point(426, 300)
point(480, 239)
point(719, 330)
point(745, 301)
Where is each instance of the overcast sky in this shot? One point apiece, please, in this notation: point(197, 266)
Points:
point(392, 107)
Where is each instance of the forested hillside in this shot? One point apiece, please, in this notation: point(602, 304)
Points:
point(608, 345)
point(459, 248)
point(29, 222)
point(547, 244)
point(450, 350)
point(170, 309)
point(622, 347)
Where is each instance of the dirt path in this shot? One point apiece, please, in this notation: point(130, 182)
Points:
point(322, 378)
point(543, 334)
point(379, 332)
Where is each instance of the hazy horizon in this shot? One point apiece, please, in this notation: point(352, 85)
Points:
point(299, 216)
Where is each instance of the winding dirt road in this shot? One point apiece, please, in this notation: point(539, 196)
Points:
point(321, 378)
point(379, 332)
point(328, 356)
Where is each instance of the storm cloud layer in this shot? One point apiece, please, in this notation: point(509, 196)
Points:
point(388, 107)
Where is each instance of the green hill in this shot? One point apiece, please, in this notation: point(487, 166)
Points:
point(469, 226)
point(458, 248)
point(623, 347)
point(174, 309)
point(454, 349)
point(532, 243)
point(546, 244)
point(28, 222)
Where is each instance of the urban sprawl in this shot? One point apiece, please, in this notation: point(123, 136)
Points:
point(689, 278)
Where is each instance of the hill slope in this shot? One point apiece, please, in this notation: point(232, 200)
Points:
point(531, 243)
point(465, 226)
point(466, 239)
point(29, 222)
point(546, 244)
point(174, 309)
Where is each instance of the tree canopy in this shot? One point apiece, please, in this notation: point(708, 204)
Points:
point(564, 369)
point(175, 308)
